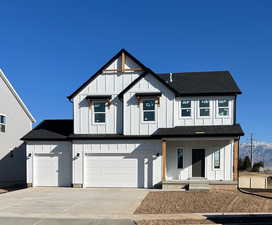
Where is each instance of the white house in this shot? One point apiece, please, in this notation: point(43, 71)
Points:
point(15, 121)
point(132, 127)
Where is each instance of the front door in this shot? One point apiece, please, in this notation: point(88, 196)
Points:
point(198, 162)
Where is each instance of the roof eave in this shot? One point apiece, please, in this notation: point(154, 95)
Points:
point(16, 95)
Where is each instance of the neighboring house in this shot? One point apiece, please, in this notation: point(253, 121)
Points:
point(132, 127)
point(15, 121)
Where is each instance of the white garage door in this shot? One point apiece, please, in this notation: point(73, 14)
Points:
point(52, 165)
point(110, 171)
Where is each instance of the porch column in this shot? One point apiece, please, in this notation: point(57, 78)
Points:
point(235, 159)
point(163, 160)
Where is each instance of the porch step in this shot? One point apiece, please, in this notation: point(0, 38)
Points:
point(199, 186)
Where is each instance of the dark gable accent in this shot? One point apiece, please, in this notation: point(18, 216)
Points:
point(104, 67)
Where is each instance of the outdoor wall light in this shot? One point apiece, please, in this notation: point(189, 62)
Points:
point(78, 154)
point(29, 154)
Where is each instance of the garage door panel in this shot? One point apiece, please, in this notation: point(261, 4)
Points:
point(53, 167)
point(110, 171)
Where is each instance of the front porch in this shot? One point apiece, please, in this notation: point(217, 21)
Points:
point(199, 163)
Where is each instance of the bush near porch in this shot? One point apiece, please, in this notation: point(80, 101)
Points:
point(174, 202)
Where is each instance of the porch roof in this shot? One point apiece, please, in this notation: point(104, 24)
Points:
point(201, 131)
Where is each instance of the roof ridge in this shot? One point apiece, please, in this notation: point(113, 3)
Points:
point(210, 71)
point(16, 95)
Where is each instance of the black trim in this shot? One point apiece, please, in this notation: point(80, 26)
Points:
point(234, 110)
point(148, 94)
point(98, 97)
point(62, 130)
point(104, 67)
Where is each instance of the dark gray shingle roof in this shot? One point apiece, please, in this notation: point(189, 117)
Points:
point(51, 130)
point(200, 131)
point(62, 130)
point(198, 83)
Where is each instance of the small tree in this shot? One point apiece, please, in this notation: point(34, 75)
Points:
point(256, 166)
point(240, 164)
point(246, 163)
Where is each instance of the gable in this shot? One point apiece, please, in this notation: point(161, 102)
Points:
point(123, 63)
point(150, 73)
point(10, 88)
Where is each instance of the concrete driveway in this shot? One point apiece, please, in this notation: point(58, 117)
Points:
point(69, 203)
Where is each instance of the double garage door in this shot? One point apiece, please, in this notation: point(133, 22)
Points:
point(110, 171)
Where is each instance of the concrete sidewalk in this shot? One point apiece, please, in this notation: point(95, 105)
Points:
point(39, 221)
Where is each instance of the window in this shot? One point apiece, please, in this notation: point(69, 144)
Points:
point(3, 123)
point(185, 108)
point(216, 160)
point(223, 107)
point(99, 112)
point(204, 107)
point(180, 158)
point(149, 110)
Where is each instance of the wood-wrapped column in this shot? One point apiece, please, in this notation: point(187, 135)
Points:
point(235, 159)
point(163, 160)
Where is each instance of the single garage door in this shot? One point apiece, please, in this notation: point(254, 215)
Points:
point(102, 170)
point(53, 165)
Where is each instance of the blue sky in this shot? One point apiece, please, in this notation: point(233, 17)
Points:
point(48, 48)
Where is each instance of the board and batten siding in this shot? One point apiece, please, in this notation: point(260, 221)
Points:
point(147, 153)
point(46, 147)
point(196, 120)
point(226, 159)
point(133, 114)
point(107, 83)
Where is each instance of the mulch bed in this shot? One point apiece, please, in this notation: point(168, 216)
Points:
point(174, 202)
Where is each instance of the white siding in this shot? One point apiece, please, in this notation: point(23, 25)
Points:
point(196, 120)
point(18, 124)
point(49, 153)
point(223, 173)
point(107, 83)
point(133, 124)
point(145, 152)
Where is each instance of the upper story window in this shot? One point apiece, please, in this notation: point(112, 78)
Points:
point(223, 107)
point(216, 160)
point(3, 123)
point(204, 107)
point(99, 112)
point(180, 158)
point(149, 110)
point(186, 108)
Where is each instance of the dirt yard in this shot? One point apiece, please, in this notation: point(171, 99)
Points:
point(173, 222)
point(172, 202)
